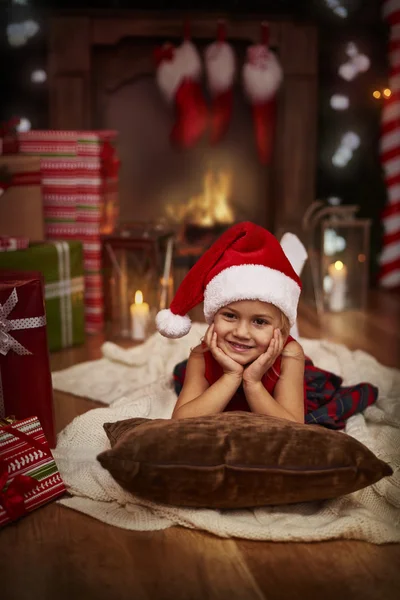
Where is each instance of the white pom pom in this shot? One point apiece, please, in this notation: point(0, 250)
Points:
point(220, 66)
point(185, 63)
point(172, 326)
point(261, 81)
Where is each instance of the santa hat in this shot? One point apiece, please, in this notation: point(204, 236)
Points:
point(246, 263)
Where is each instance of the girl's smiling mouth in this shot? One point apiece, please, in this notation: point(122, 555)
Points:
point(239, 347)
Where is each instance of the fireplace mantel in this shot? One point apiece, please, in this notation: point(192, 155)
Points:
point(73, 39)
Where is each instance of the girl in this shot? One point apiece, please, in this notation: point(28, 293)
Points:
point(248, 361)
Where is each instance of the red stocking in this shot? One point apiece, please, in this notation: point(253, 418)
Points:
point(262, 76)
point(220, 68)
point(178, 74)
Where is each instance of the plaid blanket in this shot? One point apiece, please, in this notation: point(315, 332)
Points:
point(326, 401)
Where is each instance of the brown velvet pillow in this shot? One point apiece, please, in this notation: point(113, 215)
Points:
point(236, 460)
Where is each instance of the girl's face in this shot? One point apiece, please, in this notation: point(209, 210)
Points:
point(245, 328)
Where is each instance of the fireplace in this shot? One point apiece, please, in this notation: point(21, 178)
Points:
point(205, 185)
point(102, 76)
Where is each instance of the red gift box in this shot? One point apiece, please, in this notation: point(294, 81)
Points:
point(25, 377)
point(29, 476)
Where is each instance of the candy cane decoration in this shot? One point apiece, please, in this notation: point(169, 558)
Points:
point(389, 276)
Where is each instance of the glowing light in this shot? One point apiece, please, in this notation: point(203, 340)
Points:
point(339, 160)
point(348, 71)
point(376, 94)
point(334, 200)
point(337, 8)
point(19, 33)
point(341, 11)
point(333, 242)
point(351, 49)
point(38, 76)
point(339, 102)
point(31, 28)
point(24, 125)
point(138, 297)
point(339, 265)
point(357, 63)
point(387, 93)
point(362, 63)
point(351, 140)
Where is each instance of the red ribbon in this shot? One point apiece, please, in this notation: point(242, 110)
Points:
point(43, 447)
point(165, 52)
point(221, 31)
point(265, 33)
point(12, 499)
point(109, 162)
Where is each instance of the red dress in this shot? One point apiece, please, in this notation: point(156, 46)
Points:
point(213, 371)
point(326, 401)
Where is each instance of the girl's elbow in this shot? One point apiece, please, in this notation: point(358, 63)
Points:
point(175, 415)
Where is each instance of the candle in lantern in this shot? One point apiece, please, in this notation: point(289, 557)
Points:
point(139, 317)
point(337, 296)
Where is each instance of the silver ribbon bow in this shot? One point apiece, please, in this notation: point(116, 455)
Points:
point(7, 341)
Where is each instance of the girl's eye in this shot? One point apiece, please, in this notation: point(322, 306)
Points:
point(260, 322)
point(229, 315)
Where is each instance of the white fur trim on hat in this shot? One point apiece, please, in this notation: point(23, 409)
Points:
point(171, 325)
point(220, 67)
point(186, 62)
point(261, 81)
point(252, 282)
point(295, 251)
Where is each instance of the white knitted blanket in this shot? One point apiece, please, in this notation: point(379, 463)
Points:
point(137, 383)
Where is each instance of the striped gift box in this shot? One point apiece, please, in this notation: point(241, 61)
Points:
point(29, 476)
point(64, 143)
point(80, 197)
point(8, 243)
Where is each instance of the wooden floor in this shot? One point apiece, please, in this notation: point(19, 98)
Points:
point(56, 553)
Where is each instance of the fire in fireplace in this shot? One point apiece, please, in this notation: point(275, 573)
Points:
point(209, 208)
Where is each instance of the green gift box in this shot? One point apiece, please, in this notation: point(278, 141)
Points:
point(62, 266)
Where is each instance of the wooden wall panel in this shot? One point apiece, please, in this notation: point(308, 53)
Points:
point(295, 153)
point(69, 65)
point(68, 99)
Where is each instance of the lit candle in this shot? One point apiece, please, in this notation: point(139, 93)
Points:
point(337, 296)
point(139, 317)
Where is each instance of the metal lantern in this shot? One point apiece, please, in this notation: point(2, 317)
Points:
point(338, 247)
point(138, 279)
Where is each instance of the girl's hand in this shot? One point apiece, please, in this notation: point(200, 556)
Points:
point(257, 369)
point(229, 366)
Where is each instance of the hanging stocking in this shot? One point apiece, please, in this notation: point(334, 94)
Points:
point(262, 76)
point(220, 69)
point(178, 75)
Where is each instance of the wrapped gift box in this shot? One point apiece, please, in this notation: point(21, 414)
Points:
point(29, 477)
point(80, 190)
point(61, 263)
point(21, 200)
point(25, 377)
